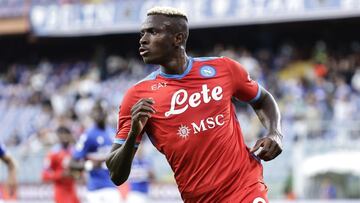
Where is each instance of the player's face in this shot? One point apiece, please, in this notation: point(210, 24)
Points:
point(98, 116)
point(66, 138)
point(156, 42)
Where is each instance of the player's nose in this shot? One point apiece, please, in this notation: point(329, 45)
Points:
point(144, 39)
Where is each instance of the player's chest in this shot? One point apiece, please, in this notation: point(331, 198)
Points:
point(176, 99)
point(187, 109)
point(62, 159)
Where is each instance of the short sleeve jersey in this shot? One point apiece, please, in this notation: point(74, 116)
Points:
point(195, 124)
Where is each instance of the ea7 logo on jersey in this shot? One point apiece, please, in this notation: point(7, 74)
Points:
point(181, 97)
point(158, 85)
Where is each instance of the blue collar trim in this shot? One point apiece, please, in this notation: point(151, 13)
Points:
point(177, 76)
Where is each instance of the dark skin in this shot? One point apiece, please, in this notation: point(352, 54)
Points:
point(11, 182)
point(268, 112)
point(163, 42)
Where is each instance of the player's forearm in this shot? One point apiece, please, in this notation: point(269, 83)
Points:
point(11, 168)
point(268, 112)
point(120, 159)
point(12, 175)
point(10, 165)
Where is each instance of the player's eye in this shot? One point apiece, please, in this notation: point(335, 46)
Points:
point(153, 32)
point(141, 34)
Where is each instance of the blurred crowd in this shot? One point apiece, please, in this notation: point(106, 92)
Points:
point(41, 97)
point(318, 92)
point(9, 4)
point(20, 8)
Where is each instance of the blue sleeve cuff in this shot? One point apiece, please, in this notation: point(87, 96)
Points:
point(257, 95)
point(119, 141)
point(122, 141)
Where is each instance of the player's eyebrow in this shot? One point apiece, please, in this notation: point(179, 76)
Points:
point(152, 28)
point(153, 25)
point(146, 29)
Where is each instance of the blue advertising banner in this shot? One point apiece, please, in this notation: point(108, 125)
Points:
point(12, 8)
point(125, 16)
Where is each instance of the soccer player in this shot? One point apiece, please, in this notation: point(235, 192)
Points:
point(57, 169)
point(186, 109)
point(10, 163)
point(139, 180)
point(90, 152)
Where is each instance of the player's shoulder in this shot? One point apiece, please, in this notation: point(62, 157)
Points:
point(149, 78)
point(142, 85)
point(217, 64)
point(215, 61)
point(91, 132)
point(54, 150)
point(208, 59)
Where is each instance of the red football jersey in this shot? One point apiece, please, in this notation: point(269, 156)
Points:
point(196, 128)
point(64, 187)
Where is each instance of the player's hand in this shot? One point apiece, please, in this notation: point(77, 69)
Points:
point(269, 147)
point(140, 113)
point(67, 173)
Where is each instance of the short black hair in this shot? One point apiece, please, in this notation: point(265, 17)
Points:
point(63, 130)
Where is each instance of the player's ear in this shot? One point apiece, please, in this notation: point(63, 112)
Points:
point(179, 39)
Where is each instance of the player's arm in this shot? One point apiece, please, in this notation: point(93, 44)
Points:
point(247, 90)
point(268, 112)
point(121, 156)
point(10, 162)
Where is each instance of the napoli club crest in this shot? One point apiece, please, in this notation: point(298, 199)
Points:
point(207, 71)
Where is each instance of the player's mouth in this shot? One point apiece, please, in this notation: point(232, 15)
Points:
point(143, 51)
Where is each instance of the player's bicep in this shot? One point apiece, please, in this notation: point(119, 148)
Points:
point(124, 119)
point(115, 147)
point(6, 159)
point(244, 87)
point(258, 102)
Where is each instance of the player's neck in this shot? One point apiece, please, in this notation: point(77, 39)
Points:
point(176, 65)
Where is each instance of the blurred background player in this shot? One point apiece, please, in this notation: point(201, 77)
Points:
point(10, 163)
point(90, 153)
point(57, 169)
point(140, 178)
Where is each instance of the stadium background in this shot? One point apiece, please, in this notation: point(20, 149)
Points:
point(58, 57)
